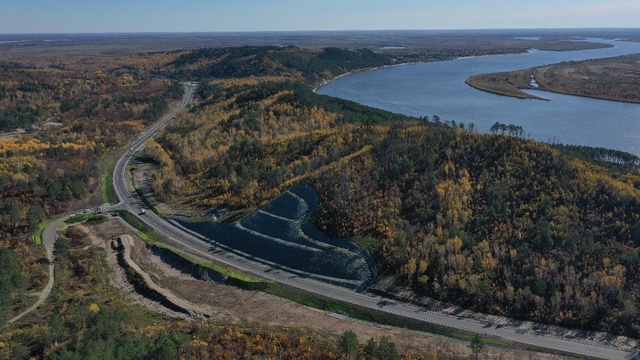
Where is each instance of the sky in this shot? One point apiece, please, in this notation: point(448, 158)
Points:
point(100, 16)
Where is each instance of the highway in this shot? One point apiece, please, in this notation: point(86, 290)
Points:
point(119, 172)
point(209, 250)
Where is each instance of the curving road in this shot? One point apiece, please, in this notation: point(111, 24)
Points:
point(209, 250)
point(119, 173)
point(49, 232)
point(48, 240)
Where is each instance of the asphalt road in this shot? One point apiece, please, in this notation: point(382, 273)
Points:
point(209, 250)
point(119, 173)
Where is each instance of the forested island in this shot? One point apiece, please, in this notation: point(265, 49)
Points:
point(492, 222)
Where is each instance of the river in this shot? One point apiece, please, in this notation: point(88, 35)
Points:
point(438, 88)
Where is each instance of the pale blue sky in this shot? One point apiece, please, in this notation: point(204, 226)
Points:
point(73, 16)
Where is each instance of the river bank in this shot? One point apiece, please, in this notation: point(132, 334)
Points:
point(439, 88)
point(325, 82)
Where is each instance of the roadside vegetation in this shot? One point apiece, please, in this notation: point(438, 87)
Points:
point(609, 79)
point(374, 316)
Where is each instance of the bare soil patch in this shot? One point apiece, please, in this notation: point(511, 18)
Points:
point(101, 236)
point(223, 303)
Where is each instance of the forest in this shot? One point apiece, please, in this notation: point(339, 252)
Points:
point(61, 123)
point(492, 222)
point(260, 61)
point(72, 119)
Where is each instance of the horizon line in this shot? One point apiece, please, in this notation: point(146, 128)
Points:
point(315, 31)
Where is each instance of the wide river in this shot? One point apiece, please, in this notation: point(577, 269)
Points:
point(438, 88)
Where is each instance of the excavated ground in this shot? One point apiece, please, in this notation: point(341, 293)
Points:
point(225, 304)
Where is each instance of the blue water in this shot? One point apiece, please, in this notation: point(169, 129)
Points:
point(438, 88)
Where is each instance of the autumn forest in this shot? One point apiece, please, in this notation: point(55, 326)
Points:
point(491, 222)
point(494, 222)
